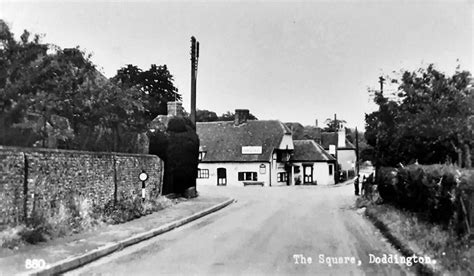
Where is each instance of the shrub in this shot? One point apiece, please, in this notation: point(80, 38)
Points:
point(433, 191)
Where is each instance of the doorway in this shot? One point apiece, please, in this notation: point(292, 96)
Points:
point(221, 177)
point(307, 174)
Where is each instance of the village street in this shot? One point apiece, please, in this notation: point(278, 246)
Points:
point(260, 234)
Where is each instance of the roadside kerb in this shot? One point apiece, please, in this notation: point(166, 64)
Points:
point(423, 268)
point(71, 263)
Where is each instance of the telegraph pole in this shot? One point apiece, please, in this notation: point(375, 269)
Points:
point(377, 142)
point(357, 152)
point(381, 81)
point(194, 69)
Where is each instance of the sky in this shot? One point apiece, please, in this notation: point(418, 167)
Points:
point(291, 61)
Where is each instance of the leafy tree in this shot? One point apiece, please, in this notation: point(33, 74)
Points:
point(56, 98)
point(155, 84)
point(230, 116)
point(332, 125)
point(206, 116)
point(426, 120)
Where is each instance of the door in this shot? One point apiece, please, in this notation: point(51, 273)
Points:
point(221, 176)
point(307, 174)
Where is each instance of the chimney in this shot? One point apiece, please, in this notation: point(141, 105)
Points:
point(241, 116)
point(175, 109)
point(341, 137)
point(316, 123)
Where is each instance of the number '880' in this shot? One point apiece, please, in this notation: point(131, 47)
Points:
point(35, 263)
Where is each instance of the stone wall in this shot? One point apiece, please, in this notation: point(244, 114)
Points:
point(39, 179)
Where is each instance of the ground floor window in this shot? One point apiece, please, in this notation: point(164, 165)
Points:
point(203, 173)
point(247, 176)
point(330, 169)
point(282, 177)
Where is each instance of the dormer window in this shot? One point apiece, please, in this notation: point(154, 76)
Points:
point(201, 156)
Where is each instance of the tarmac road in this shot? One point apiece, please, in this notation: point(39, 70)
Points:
point(262, 234)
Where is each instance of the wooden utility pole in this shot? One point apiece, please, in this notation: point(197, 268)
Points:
point(357, 152)
point(377, 142)
point(194, 69)
point(381, 81)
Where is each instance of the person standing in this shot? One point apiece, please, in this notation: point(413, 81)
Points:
point(356, 185)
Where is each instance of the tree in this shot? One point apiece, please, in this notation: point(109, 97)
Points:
point(230, 116)
point(426, 120)
point(206, 116)
point(155, 84)
point(332, 125)
point(54, 97)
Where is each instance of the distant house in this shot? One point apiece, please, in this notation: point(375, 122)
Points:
point(337, 144)
point(244, 152)
point(312, 164)
point(250, 152)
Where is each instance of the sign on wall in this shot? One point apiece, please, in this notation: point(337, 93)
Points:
point(251, 150)
point(263, 169)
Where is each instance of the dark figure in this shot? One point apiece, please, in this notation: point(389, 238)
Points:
point(356, 185)
point(363, 191)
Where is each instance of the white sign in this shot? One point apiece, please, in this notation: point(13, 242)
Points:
point(252, 150)
point(332, 149)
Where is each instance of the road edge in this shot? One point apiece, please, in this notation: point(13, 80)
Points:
point(72, 263)
point(424, 269)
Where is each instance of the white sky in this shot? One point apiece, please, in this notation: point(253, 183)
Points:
point(292, 61)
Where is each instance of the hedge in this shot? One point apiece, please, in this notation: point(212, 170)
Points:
point(442, 194)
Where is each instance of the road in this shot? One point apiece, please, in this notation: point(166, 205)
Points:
point(264, 233)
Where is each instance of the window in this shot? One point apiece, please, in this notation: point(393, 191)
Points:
point(282, 177)
point(243, 176)
point(203, 173)
point(330, 169)
point(202, 154)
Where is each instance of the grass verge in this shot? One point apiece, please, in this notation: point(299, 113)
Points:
point(75, 216)
point(453, 255)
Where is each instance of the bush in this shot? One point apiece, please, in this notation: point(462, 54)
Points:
point(131, 208)
point(433, 191)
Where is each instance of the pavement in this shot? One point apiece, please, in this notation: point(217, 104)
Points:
point(62, 254)
point(297, 230)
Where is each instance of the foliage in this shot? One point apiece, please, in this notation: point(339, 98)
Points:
point(333, 125)
point(75, 214)
point(211, 116)
point(155, 85)
point(434, 192)
point(429, 119)
point(182, 155)
point(432, 240)
point(54, 97)
point(206, 116)
point(130, 208)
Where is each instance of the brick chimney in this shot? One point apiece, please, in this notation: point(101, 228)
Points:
point(175, 109)
point(241, 116)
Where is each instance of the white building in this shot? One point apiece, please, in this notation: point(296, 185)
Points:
point(249, 152)
point(312, 164)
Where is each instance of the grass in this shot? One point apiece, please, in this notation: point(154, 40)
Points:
point(76, 215)
point(453, 253)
